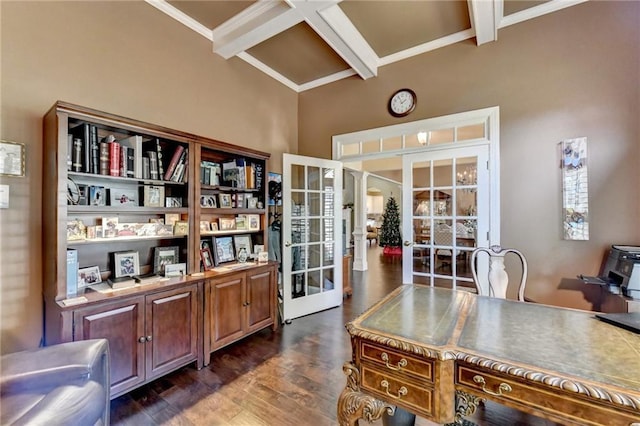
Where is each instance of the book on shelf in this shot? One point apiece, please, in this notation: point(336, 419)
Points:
point(121, 282)
point(145, 168)
point(258, 168)
point(179, 171)
point(77, 155)
point(160, 159)
point(94, 146)
point(153, 165)
point(69, 152)
point(104, 158)
point(134, 146)
point(114, 159)
point(174, 162)
point(123, 160)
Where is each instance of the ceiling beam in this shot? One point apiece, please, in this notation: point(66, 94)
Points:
point(485, 17)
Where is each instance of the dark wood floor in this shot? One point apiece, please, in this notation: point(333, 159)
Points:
point(290, 377)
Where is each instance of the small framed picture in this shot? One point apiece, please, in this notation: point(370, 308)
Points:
point(97, 195)
point(253, 222)
point(241, 222)
point(252, 202)
point(126, 264)
point(12, 158)
point(207, 259)
point(76, 230)
point(242, 241)
point(173, 202)
point(239, 201)
point(171, 218)
point(153, 196)
point(109, 227)
point(175, 270)
point(205, 226)
point(123, 197)
point(88, 276)
point(225, 201)
point(181, 228)
point(223, 247)
point(214, 225)
point(163, 256)
point(227, 223)
point(263, 257)
point(208, 201)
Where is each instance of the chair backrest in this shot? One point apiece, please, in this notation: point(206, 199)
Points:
point(443, 237)
point(498, 278)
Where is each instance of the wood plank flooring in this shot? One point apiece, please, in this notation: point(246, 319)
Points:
point(290, 377)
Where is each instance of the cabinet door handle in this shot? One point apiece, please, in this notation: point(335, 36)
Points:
point(502, 388)
point(149, 338)
point(142, 339)
point(402, 363)
point(401, 392)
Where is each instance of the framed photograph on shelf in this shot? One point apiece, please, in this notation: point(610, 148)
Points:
point(253, 222)
point(214, 226)
point(123, 197)
point(242, 241)
point(252, 202)
point(241, 222)
point(225, 201)
point(97, 195)
point(153, 196)
point(125, 264)
point(207, 259)
point(208, 201)
point(163, 256)
point(227, 223)
point(175, 270)
point(205, 226)
point(88, 276)
point(223, 249)
point(181, 228)
point(173, 202)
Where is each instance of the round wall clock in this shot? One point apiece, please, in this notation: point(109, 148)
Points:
point(402, 102)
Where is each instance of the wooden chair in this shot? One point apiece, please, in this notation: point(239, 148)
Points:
point(497, 277)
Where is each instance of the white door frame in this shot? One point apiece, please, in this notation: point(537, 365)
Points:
point(372, 144)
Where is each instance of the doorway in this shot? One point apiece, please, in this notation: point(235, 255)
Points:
point(384, 151)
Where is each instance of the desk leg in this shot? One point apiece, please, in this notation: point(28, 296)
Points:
point(354, 405)
point(466, 405)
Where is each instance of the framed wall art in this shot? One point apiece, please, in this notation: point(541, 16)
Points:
point(12, 158)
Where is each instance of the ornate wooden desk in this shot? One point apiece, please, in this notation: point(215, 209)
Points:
point(437, 353)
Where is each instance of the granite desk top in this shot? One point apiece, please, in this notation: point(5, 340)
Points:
point(536, 339)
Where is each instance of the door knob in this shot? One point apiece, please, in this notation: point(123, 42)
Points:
point(407, 243)
point(287, 244)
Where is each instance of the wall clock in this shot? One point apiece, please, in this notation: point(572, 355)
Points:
point(402, 102)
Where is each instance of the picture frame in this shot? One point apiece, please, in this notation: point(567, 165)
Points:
point(123, 197)
point(175, 270)
point(252, 202)
point(181, 228)
point(172, 202)
point(275, 189)
point(76, 230)
point(253, 222)
point(225, 201)
point(12, 158)
point(163, 256)
point(205, 226)
point(171, 218)
point(88, 276)
point(241, 222)
point(223, 249)
point(207, 259)
point(97, 195)
point(263, 257)
point(208, 201)
point(227, 223)
point(214, 226)
point(153, 196)
point(240, 241)
point(125, 263)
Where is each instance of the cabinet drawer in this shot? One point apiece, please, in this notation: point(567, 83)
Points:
point(394, 361)
point(398, 391)
point(537, 399)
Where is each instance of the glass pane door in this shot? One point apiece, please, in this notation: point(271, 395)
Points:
point(312, 235)
point(445, 215)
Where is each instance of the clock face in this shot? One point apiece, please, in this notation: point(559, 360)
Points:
point(402, 102)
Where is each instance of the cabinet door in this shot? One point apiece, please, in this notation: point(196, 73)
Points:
point(171, 330)
point(226, 297)
point(261, 294)
point(122, 324)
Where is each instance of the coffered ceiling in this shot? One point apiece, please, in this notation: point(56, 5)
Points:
point(306, 44)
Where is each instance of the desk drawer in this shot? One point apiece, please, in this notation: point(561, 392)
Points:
point(552, 403)
point(393, 361)
point(398, 391)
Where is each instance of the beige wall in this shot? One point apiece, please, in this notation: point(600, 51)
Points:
point(569, 74)
point(125, 58)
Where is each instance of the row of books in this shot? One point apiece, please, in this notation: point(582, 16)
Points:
point(237, 173)
point(128, 157)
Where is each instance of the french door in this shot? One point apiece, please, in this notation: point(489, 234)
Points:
point(445, 214)
point(312, 235)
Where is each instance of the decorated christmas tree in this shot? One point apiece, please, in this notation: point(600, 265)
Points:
point(390, 231)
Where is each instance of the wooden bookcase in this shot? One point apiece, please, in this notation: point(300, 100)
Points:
point(129, 211)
